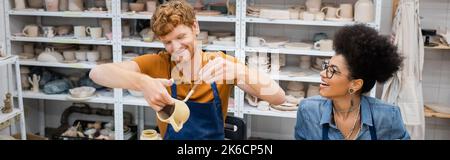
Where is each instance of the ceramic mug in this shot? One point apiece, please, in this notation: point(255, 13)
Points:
point(69, 55)
point(345, 11)
point(150, 134)
point(28, 48)
point(31, 31)
point(308, 16)
point(294, 13)
point(255, 41)
point(124, 6)
point(313, 5)
point(105, 52)
point(106, 26)
point(212, 38)
point(63, 5)
point(151, 6)
point(330, 12)
point(176, 114)
point(126, 31)
point(19, 4)
point(63, 30)
point(319, 16)
point(52, 5)
point(76, 5)
point(92, 56)
point(109, 5)
point(325, 45)
point(95, 32)
point(49, 31)
point(305, 64)
point(79, 31)
point(80, 55)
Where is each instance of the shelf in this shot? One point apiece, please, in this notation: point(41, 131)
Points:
point(63, 40)
point(216, 18)
point(131, 15)
point(62, 14)
point(80, 65)
point(301, 22)
point(134, 101)
point(6, 117)
point(7, 60)
point(310, 76)
point(136, 43)
point(250, 110)
point(289, 51)
point(63, 97)
point(199, 18)
point(431, 113)
point(440, 47)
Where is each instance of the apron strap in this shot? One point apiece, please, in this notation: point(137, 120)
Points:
point(325, 129)
point(217, 100)
point(174, 90)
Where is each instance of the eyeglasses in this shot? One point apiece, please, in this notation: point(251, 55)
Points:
point(330, 70)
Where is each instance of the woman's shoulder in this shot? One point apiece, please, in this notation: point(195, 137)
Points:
point(312, 105)
point(378, 105)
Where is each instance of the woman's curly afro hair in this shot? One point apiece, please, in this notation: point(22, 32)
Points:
point(370, 56)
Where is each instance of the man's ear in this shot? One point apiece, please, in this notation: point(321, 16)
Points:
point(196, 28)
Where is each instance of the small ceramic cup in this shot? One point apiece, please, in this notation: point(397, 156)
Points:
point(80, 55)
point(69, 55)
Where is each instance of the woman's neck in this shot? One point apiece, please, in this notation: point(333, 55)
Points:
point(343, 105)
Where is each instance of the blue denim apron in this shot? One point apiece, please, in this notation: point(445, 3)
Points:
point(205, 121)
point(372, 130)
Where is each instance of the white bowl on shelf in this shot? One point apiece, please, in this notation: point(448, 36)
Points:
point(82, 92)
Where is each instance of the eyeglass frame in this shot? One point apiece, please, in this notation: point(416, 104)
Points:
point(326, 66)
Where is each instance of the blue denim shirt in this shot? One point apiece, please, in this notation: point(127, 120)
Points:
point(316, 111)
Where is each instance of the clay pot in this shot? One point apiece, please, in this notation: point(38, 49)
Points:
point(137, 7)
point(52, 5)
point(35, 4)
point(63, 30)
point(63, 5)
point(76, 5)
point(19, 4)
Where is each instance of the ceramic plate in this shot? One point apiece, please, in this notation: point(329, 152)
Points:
point(298, 45)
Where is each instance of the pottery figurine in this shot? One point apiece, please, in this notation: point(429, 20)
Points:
point(34, 82)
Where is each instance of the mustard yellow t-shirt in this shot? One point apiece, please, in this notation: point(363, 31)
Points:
point(160, 66)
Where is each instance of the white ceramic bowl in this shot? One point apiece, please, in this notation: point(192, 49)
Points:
point(82, 92)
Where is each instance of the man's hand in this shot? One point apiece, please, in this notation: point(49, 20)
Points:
point(155, 92)
point(221, 69)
